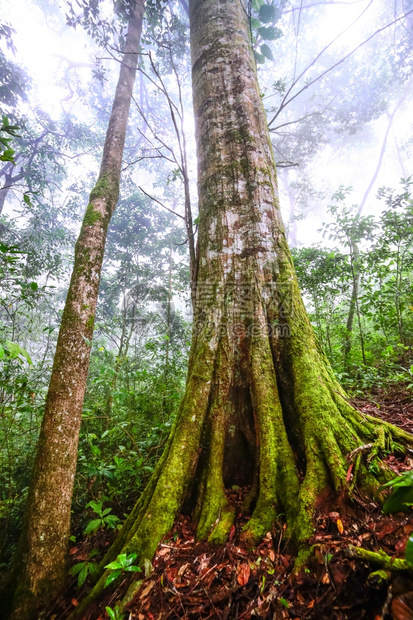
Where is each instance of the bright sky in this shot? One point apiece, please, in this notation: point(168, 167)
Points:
point(41, 43)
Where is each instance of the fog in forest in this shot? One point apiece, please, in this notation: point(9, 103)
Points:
point(337, 88)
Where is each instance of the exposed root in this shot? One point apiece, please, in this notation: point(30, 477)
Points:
point(357, 451)
point(213, 513)
point(305, 435)
point(379, 558)
point(278, 477)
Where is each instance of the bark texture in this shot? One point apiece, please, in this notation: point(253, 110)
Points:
point(39, 567)
point(261, 405)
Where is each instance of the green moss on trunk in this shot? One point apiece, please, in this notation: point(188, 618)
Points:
point(257, 376)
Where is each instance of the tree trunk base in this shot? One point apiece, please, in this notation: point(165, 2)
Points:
point(297, 466)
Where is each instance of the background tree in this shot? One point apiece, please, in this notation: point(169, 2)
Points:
point(40, 562)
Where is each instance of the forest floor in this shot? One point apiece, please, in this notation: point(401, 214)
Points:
point(194, 580)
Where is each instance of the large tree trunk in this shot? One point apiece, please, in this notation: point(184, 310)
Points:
point(39, 567)
point(261, 405)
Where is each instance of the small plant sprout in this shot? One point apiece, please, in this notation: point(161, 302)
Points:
point(83, 569)
point(122, 564)
point(115, 614)
point(104, 518)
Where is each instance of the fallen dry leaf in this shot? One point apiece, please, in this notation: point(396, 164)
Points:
point(400, 610)
point(350, 469)
point(183, 569)
point(385, 529)
point(325, 578)
point(147, 589)
point(340, 526)
point(243, 574)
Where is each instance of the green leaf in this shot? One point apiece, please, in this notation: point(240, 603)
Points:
point(111, 521)
point(115, 565)
point(24, 353)
point(128, 561)
point(133, 569)
point(257, 4)
point(95, 506)
point(269, 33)
point(76, 568)
point(123, 560)
point(399, 500)
point(27, 200)
point(82, 575)
point(93, 526)
point(268, 13)
point(2, 352)
point(266, 51)
point(284, 602)
point(259, 58)
point(7, 155)
point(255, 23)
point(93, 568)
point(112, 577)
point(111, 613)
point(13, 348)
point(409, 551)
point(34, 286)
point(405, 480)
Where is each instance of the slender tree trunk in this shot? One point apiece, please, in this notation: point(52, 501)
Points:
point(168, 335)
point(292, 233)
point(120, 357)
point(356, 272)
point(353, 308)
point(9, 181)
point(40, 562)
point(168, 311)
point(261, 405)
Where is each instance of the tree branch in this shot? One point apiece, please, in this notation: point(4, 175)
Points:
point(286, 101)
point(160, 203)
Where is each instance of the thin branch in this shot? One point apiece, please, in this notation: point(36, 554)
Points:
point(382, 151)
point(160, 203)
point(310, 6)
point(136, 161)
point(286, 101)
point(295, 81)
point(298, 120)
point(285, 164)
point(168, 148)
